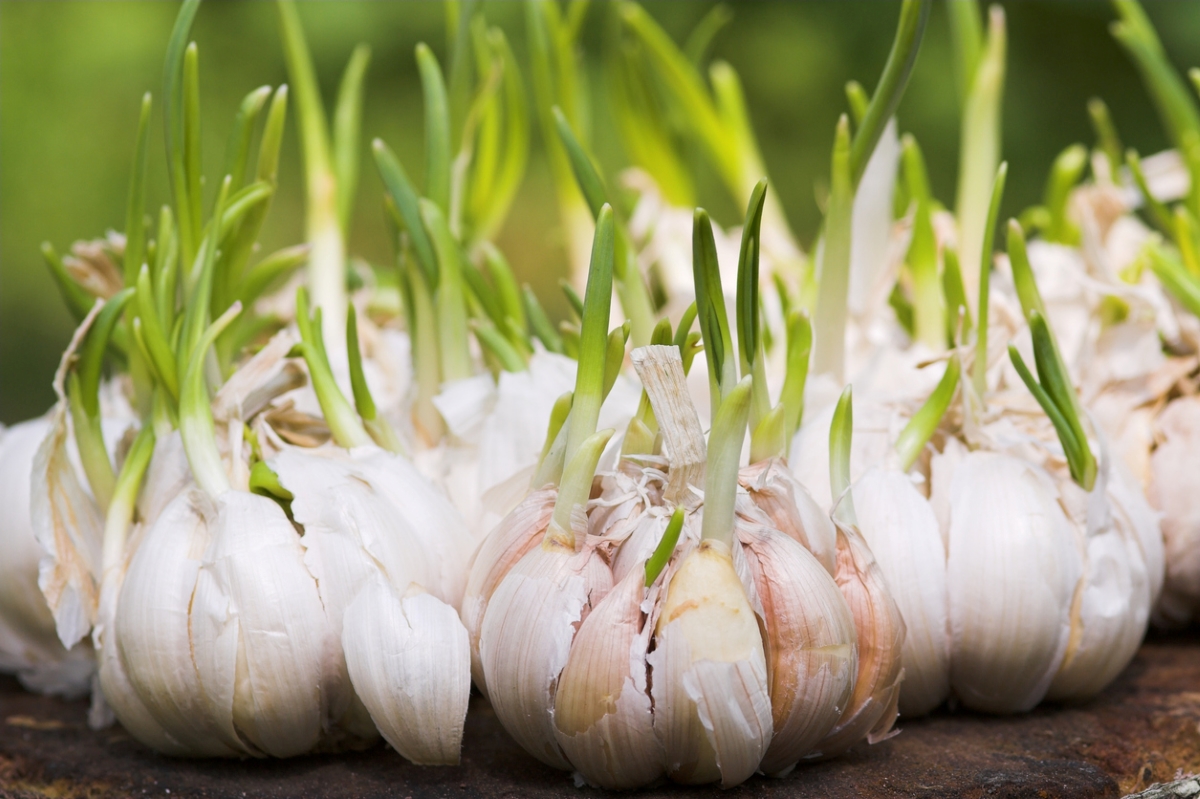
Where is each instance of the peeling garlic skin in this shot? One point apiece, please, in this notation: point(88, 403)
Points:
point(29, 643)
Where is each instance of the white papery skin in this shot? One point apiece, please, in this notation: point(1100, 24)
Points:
point(526, 637)
point(29, 644)
point(391, 583)
point(900, 527)
point(709, 673)
point(602, 714)
point(409, 660)
point(1012, 569)
point(221, 630)
point(498, 429)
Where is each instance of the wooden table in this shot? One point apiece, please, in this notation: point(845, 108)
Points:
point(1144, 729)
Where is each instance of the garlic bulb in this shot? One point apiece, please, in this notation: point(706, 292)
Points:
point(1171, 492)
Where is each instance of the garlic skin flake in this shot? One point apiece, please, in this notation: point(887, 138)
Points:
point(1012, 569)
point(709, 681)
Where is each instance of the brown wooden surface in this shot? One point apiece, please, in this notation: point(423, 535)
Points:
point(1145, 729)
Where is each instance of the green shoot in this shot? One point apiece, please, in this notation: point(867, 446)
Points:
point(750, 344)
point(377, 427)
point(710, 308)
point(1107, 139)
point(834, 285)
point(929, 312)
point(344, 423)
point(925, 421)
point(195, 412)
point(979, 368)
point(979, 151)
point(791, 397)
point(661, 556)
point(841, 432)
point(724, 459)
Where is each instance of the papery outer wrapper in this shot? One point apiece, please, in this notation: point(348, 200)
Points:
point(791, 508)
point(255, 597)
point(498, 553)
point(871, 222)
point(709, 673)
point(409, 660)
point(526, 639)
point(150, 630)
point(1011, 573)
point(902, 531)
point(603, 719)
point(880, 630)
point(811, 643)
point(30, 646)
point(1175, 465)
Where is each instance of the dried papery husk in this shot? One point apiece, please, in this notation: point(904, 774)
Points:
point(603, 718)
point(520, 531)
point(810, 642)
point(259, 630)
point(409, 660)
point(29, 644)
point(709, 683)
point(872, 709)
point(1012, 567)
point(899, 525)
point(526, 636)
point(1174, 467)
point(786, 502)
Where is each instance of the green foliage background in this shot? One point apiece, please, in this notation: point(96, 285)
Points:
point(72, 75)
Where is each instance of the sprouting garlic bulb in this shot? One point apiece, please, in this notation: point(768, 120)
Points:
point(1050, 587)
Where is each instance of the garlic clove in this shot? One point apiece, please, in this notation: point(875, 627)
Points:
point(1011, 574)
point(811, 643)
point(503, 548)
point(779, 494)
point(1172, 491)
point(409, 660)
point(255, 596)
point(872, 709)
point(526, 636)
point(603, 719)
point(150, 629)
point(709, 673)
point(899, 526)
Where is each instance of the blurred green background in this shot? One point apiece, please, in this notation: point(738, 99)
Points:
point(72, 74)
